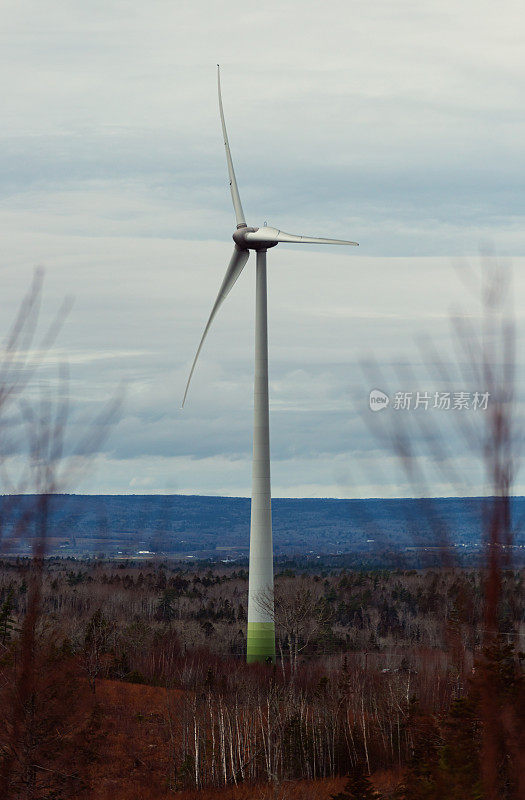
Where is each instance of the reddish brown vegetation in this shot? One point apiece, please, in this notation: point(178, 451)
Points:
point(204, 720)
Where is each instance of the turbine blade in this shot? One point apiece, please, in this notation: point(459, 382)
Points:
point(239, 213)
point(273, 236)
point(235, 267)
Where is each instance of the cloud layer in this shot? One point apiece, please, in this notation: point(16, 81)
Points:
point(400, 128)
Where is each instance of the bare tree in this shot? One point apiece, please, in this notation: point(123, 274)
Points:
point(43, 421)
point(299, 612)
point(485, 355)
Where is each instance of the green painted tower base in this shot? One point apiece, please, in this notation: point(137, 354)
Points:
point(261, 643)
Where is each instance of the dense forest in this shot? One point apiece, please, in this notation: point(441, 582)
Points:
point(381, 676)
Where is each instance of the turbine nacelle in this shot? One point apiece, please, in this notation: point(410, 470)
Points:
point(244, 238)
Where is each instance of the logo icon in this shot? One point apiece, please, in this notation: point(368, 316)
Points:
point(378, 400)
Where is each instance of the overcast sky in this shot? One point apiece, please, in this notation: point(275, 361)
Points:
point(399, 125)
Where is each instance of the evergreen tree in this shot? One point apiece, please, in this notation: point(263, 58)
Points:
point(421, 780)
point(479, 737)
point(459, 757)
point(357, 787)
point(499, 690)
point(165, 609)
point(7, 625)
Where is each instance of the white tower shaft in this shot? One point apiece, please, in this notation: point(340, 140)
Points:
point(261, 627)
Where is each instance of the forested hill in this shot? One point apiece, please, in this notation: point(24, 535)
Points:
point(203, 526)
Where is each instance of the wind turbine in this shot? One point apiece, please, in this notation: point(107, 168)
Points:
point(261, 627)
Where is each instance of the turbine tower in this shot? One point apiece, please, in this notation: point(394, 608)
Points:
point(261, 627)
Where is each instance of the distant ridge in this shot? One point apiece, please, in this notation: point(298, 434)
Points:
point(202, 525)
